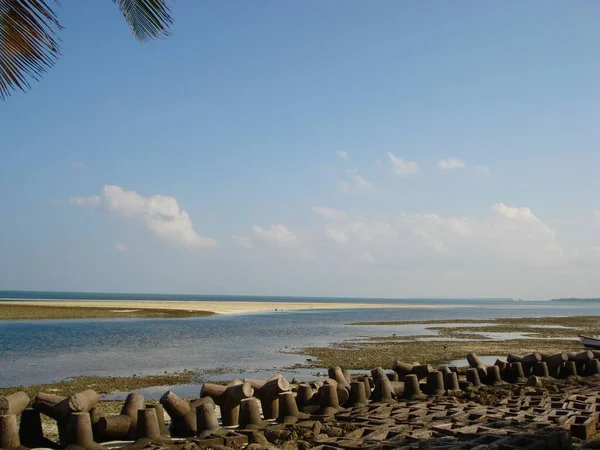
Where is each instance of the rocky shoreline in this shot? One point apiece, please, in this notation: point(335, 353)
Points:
point(536, 401)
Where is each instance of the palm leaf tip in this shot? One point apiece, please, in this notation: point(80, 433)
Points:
point(28, 43)
point(148, 19)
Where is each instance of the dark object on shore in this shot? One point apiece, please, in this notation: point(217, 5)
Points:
point(228, 398)
point(31, 432)
point(267, 391)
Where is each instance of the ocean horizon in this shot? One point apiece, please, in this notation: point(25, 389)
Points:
point(71, 295)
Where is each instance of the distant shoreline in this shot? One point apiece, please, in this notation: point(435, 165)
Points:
point(52, 309)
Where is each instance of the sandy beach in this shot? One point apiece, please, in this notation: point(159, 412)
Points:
point(217, 307)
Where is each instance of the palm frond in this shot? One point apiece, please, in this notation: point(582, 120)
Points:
point(28, 43)
point(148, 19)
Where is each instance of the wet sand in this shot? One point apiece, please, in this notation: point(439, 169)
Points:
point(55, 309)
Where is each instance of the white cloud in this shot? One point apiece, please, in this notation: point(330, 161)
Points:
point(85, 201)
point(400, 166)
point(334, 214)
point(343, 155)
point(120, 247)
point(481, 170)
point(160, 214)
point(366, 258)
point(80, 165)
point(361, 183)
point(336, 235)
point(449, 164)
point(242, 241)
point(276, 234)
point(342, 187)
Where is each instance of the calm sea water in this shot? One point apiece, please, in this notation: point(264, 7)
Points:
point(41, 351)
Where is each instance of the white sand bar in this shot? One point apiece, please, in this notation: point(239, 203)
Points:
point(225, 307)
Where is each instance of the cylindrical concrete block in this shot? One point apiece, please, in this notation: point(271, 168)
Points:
point(147, 424)
point(84, 401)
point(392, 376)
point(474, 360)
point(230, 415)
point(569, 369)
point(160, 418)
point(554, 361)
point(288, 407)
point(367, 384)
point(304, 395)
point(358, 396)
point(517, 374)
point(250, 413)
point(338, 375)
point(206, 417)
point(473, 377)
point(14, 403)
point(114, 427)
point(435, 383)
point(493, 376)
point(592, 367)
point(402, 369)
point(540, 369)
point(174, 405)
point(80, 429)
point(328, 400)
point(46, 404)
point(412, 389)
point(444, 369)
point(383, 390)
point(9, 432)
point(347, 376)
point(133, 403)
point(451, 382)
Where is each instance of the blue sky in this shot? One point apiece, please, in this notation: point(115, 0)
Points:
point(344, 148)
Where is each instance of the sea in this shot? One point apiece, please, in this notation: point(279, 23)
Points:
point(222, 346)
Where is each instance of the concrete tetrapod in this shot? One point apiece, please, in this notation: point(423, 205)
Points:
point(124, 425)
point(9, 432)
point(343, 393)
point(569, 369)
point(435, 383)
point(14, 403)
point(228, 398)
point(267, 391)
point(412, 390)
point(540, 369)
point(206, 417)
point(451, 383)
point(250, 414)
point(183, 415)
point(383, 391)
point(328, 401)
point(554, 361)
point(473, 377)
point(288, 410)
point(304, 395)
point(358, 396)
point(592, 367)
point(147, 424)
point(402, 369)
point(516, 372)
point(80, 431)
point(160, 418)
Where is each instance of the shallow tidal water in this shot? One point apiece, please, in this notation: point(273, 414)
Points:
point(43, 351)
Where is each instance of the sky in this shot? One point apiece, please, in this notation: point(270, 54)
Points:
point(339, 148)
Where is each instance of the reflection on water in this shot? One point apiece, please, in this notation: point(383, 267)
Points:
point(41, 351)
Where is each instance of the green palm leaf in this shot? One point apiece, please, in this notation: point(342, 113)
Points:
point(29, 45)
point(148, 19)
